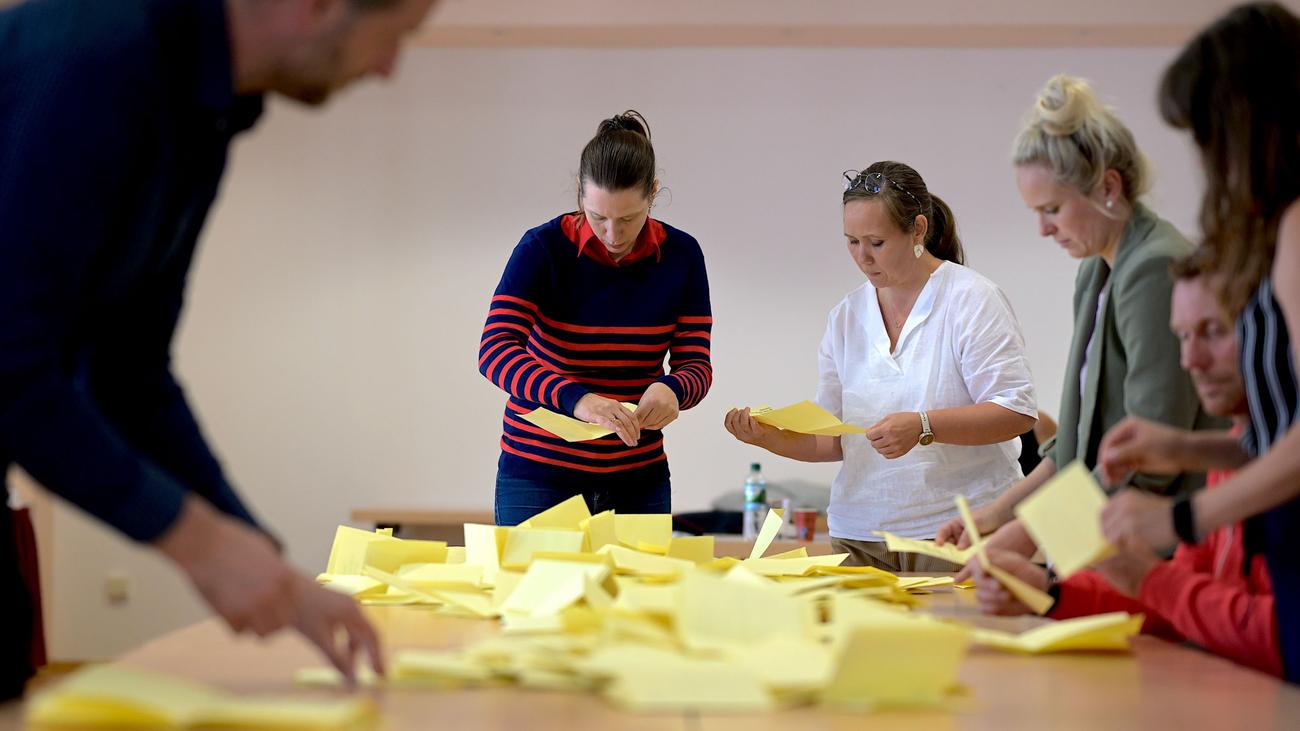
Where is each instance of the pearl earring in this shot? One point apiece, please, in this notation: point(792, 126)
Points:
point(1110, 204)
point(918, 250)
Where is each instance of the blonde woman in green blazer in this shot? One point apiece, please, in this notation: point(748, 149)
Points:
point(1079, 169)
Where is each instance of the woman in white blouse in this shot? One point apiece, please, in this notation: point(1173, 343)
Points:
point(929, 358)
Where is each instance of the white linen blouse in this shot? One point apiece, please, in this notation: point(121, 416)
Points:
point(961, 345)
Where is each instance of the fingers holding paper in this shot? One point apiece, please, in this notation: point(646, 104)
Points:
point(658, 407)
point(595, 409)
point(745, 428)
point(896, 434)
point(993, 597)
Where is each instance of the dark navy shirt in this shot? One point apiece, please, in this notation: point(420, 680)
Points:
point(115, 121)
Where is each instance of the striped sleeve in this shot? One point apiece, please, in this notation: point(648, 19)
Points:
point(691, 368)
point(503, 357)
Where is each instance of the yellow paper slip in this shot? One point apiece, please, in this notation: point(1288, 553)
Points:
point(696, 549)
point(654, 530)
point(947, 552)
point(568, 428)
point(767, 534)
point(912, 663)
point(550, 586)
point(391, 555)
point(351, 585)
point(792, 566)
point(113, 695)
point(568, 515)
point(1037, 601)
point(1064, 518)
point(1111, 631)
point(522, 543)
point(348, 553)
point(714, 612)
point(805, 417)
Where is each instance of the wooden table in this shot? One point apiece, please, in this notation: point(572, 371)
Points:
point(1160, 685)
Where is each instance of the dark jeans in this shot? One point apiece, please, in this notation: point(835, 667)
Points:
point(520, 498)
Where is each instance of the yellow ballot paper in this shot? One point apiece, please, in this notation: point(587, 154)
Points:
point(948, 551)
point(805, 417)
point(653, 530)
point(568, 515)
point(1037, 601)
point(391, 555)
point(348, 553)
point(1111, 631)
point(766, 534)
point(1064, 518)
point(897, 663)
point(568, 428)
point(117, 696)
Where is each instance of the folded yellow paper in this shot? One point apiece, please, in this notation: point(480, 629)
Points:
point(1064, 518)
point(568, 428)
point(1111, 631)
point(805, 417)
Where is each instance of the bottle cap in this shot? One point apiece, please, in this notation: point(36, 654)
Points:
point(754, 466)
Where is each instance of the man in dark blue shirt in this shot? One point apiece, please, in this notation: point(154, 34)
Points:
point(115, 122)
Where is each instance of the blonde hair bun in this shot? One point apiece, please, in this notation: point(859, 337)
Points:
point(1078, 138)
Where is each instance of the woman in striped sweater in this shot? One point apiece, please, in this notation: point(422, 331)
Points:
point(588, 308)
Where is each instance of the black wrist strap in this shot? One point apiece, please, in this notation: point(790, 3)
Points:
point(1184, 520)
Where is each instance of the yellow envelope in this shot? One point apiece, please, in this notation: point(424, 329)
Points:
point(568, 428)
point(1064, 518)
point(805, 417)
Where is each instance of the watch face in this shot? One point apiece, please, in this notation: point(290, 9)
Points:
point(927, 440)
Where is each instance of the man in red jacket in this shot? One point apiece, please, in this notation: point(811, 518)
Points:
point(1209, 593)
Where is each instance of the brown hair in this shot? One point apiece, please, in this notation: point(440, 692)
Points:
point(901, 180)
point(1195, 264)
point(1234, 87)
point(620, 156)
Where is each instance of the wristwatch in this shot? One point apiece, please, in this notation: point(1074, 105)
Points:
point(927, 436)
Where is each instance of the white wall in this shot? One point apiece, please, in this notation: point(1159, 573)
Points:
point(331, 334)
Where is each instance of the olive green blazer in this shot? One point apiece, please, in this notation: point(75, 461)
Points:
point(1133, 367)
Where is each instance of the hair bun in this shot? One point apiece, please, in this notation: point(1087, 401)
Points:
point(629, 121)
point(1064, 105)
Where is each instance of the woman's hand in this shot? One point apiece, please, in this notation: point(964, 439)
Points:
point(745, 428)
point(896, 434)
point(658, 407)
point(610, 414)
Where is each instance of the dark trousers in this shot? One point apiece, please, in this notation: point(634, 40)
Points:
point(520, 498)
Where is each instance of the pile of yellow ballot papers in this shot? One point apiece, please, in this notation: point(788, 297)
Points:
point(113, 696)
point(617, 605)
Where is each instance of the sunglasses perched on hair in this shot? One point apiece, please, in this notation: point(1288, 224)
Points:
point(873, 183)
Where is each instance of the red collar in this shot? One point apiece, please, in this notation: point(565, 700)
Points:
point(578, 230)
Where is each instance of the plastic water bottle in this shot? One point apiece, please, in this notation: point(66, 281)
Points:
point(755, 502)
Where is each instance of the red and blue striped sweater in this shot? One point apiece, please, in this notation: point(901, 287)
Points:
point(567, 321)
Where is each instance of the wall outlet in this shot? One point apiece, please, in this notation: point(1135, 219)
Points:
point(117, 587)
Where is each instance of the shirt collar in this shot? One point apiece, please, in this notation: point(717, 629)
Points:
point(648, 242)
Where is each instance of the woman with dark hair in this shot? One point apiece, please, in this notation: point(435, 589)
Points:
point(927, 355)
point(1234, 88)
point(590, 304)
